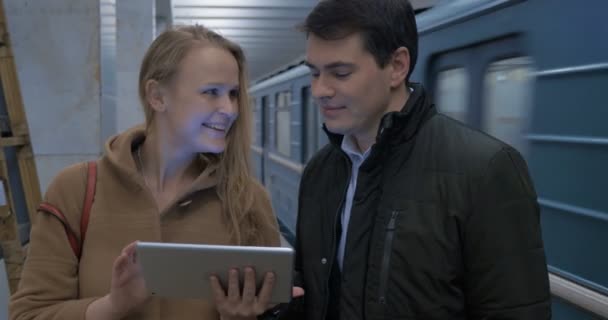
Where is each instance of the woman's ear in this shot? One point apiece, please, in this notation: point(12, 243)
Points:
point(400, 63)
point(155, 96)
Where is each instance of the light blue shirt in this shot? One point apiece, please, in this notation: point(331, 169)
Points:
point(357, 158)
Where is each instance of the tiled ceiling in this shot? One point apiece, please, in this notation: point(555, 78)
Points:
point(264, 28)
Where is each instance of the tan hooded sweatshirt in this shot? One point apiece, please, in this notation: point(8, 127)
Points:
point(55, 285)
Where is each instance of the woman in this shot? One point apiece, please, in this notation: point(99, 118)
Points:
point(183, 177)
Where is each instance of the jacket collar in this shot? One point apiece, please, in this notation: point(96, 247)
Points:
point(399, 126)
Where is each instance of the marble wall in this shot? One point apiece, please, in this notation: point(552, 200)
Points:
point(78, 63)
point(135, 32)
point(56, 45)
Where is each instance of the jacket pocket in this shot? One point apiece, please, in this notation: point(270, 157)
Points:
point(421, 264)
point(386, 256)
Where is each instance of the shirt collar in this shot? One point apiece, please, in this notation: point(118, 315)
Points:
point(350, 148)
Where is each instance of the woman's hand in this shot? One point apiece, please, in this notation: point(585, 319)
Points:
point(237, 306)
point(128, 290)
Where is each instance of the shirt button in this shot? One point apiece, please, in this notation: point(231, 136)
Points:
point(323, 261)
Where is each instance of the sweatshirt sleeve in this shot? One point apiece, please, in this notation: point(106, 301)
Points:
point(49, 281)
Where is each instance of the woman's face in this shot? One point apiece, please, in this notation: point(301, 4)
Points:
point(202, 100)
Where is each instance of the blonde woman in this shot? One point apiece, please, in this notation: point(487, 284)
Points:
point(183, 177)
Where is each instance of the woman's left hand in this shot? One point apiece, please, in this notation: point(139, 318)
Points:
point(237, 306)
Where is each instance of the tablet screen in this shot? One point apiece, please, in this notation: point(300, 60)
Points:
point(177, 270)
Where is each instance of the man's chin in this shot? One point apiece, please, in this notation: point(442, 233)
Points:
point(337, 129)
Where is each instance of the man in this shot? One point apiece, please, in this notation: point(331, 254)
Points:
point(406, 213)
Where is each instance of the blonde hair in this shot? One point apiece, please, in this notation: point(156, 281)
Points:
point(235, 188)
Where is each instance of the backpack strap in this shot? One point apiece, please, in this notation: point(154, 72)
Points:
point(84, 215)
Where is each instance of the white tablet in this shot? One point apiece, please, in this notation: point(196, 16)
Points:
point(178, 270)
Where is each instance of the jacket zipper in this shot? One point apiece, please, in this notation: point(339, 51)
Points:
point(332, 258)
point(386, 258)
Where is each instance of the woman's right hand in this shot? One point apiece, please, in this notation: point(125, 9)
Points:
point(128, 290)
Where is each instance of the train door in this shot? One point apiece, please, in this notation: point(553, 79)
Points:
point(487, 86)
point(452, 84)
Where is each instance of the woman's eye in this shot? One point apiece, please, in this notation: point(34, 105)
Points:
point(213, 92)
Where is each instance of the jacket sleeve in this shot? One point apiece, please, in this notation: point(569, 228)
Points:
point(49, 281)
point(506, 272)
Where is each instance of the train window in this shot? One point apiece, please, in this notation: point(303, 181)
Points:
point(283, 123)
point(311, 125)
point(507, 100)
point(451, 93)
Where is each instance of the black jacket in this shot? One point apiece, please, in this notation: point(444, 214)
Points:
point(444, 225)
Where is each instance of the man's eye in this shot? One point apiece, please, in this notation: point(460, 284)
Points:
point(342, 74)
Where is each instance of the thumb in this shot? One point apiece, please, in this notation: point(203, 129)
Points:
point(297, 292)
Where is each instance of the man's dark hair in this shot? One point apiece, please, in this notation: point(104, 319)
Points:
point(385, 25)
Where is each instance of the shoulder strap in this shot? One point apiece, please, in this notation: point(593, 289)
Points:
point(88, 202)
point(52, 210)
point(85, 214)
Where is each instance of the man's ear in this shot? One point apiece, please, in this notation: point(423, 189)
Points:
point(154, 96)
point(400, 63)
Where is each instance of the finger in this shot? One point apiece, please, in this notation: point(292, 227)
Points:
point(120, 264)
point(118, 272)
point(130, 248)
point(266, 291)
point(131, 251)
point(249, 287)
point(234, 290)
point(131, 269)
point(218, 292)
point(297, 292)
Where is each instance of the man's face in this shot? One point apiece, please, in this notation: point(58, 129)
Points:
point(352, 91)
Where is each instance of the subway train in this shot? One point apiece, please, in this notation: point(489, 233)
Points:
point(534, 74)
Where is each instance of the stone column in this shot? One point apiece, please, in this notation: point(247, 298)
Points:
point(135, 32)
